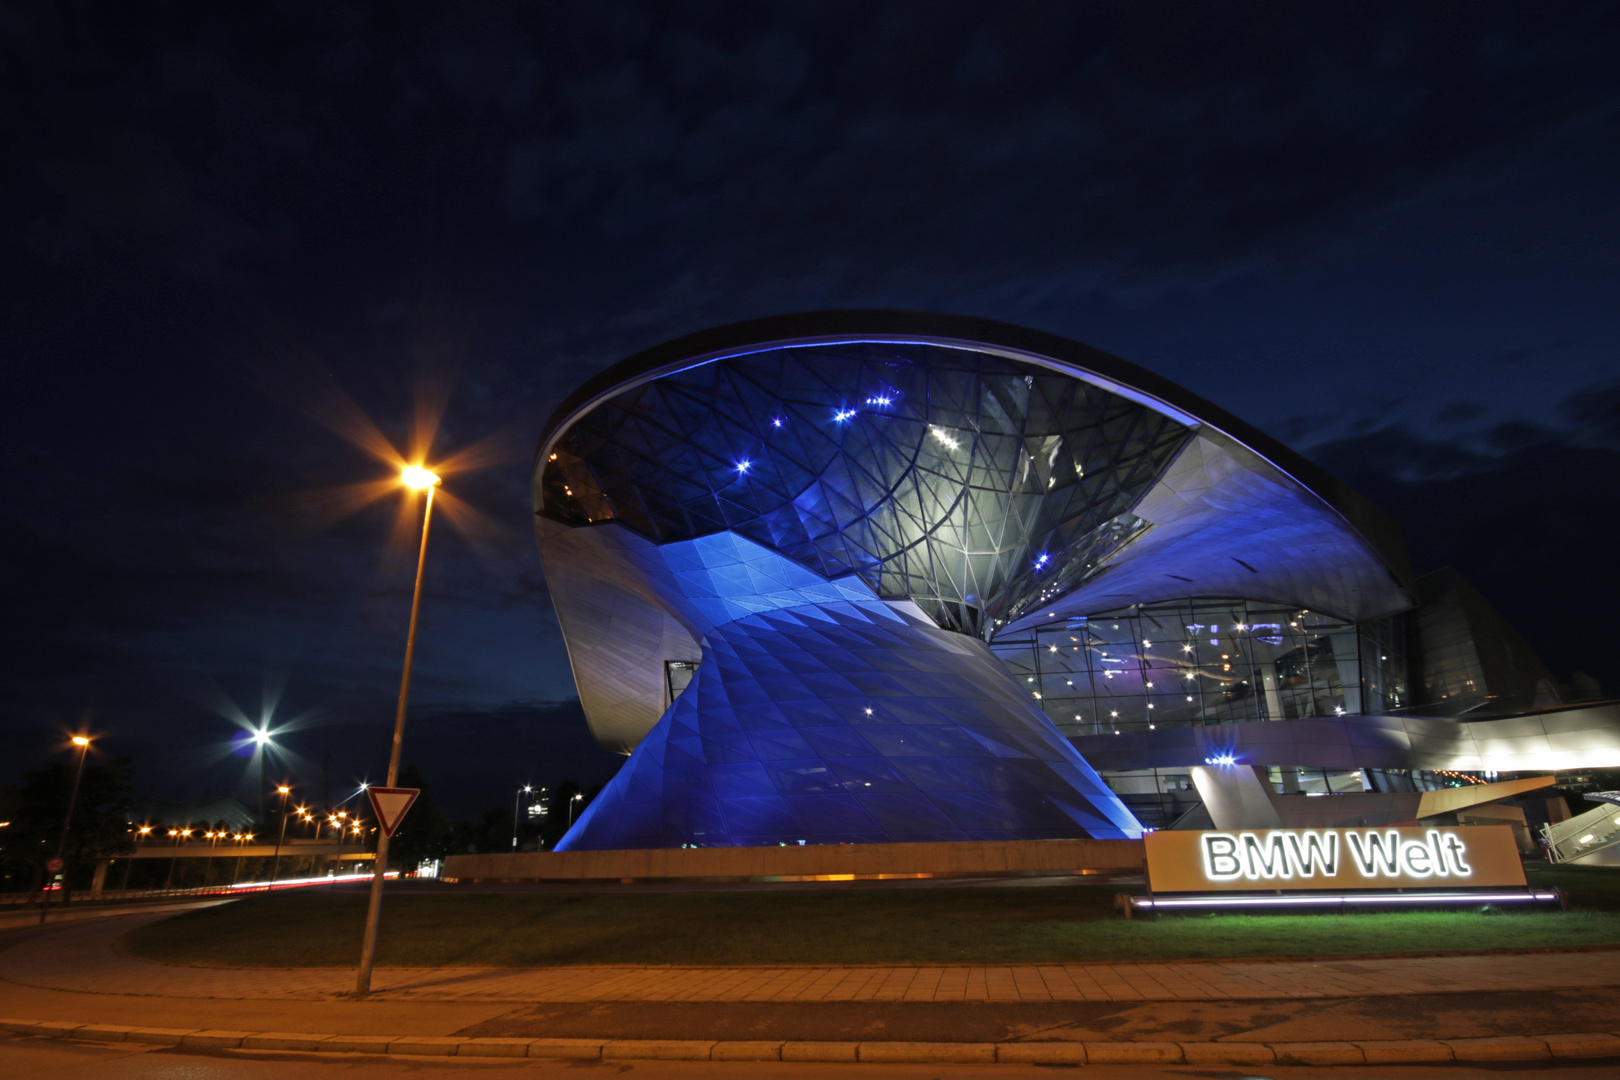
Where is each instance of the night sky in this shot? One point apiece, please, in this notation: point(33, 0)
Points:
point(1388, 235)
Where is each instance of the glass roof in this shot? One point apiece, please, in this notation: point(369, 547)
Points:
point(975, 485)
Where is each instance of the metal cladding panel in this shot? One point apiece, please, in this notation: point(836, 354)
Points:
point(619, 636)
point(822, 714)
point(1226, 522)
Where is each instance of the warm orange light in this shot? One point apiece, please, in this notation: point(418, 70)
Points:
point(283, 790)
point(80, 740)
point(414, 476)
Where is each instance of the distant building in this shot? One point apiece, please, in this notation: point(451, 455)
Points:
point(857, 577)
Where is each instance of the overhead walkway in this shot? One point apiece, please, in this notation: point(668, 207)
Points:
point(1593, 838)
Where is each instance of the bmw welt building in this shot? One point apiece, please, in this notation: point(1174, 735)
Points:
point(874, 577)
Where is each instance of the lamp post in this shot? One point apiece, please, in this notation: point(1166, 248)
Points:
point(180, 837)
point(83, 743)
point(571, 803)
point(516, 799)
point(418, 479)
point(241, 844)
point(140, 834)
point(275, 865)
point(332, 864)
point(208, 867)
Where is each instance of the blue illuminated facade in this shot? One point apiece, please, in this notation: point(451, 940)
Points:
point(876, 543)
point(821, 714)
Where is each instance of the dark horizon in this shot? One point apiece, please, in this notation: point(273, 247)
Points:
point(1386, 237)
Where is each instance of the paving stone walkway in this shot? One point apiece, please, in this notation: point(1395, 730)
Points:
point(83, 958)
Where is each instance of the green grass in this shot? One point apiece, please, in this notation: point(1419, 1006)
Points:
point(968, 925)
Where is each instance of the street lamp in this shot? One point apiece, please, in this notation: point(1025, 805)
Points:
point(55, 866)
point(241, 844)
point(416, 478)
point(516, 799)
point(275, 865)
point(261, 748)
point(213, 842)
point(571, 803)
point(180, 836)
point(140, 834)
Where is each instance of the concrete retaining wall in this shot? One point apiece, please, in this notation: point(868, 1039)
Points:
point(966, 859)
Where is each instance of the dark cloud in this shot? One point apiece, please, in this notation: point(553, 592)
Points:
point(1144, 136)
point(1529, 517)
point(1595, 412)
point(1460, 412)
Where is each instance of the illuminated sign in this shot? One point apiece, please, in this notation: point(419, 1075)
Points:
point(1244, 860)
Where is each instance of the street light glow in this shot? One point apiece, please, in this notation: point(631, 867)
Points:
point(80, 740)
point(418, 478)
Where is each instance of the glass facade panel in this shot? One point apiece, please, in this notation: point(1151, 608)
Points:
point(975, 485)
point(1204, 662)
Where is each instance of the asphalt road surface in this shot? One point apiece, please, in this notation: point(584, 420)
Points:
point(31, 1058)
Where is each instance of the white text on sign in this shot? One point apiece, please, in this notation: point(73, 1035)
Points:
point(1284, 854)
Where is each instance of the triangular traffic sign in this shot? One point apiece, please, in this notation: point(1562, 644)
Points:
point(390, 804)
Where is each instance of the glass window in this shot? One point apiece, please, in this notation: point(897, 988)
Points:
point(1197, 662)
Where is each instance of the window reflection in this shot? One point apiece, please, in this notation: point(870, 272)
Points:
point(1207, 662)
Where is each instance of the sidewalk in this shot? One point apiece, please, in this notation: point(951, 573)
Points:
point(1234, 1011)
point(82, 958)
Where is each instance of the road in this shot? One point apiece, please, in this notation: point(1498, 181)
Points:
point(51, 1059)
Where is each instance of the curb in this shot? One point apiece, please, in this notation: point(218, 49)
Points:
point(1370, 1052)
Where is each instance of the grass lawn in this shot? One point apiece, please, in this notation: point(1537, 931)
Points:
point(968, 925)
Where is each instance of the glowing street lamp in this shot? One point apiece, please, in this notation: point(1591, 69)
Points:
point(241, 843)
point(571, 803)
point(261, 749)
point(516, 799)
point(214, 837)
point(416, 478)
point(83, 743)
point(179, 837)
point(275, 866)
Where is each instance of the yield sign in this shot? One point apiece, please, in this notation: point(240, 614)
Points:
point(390, 804)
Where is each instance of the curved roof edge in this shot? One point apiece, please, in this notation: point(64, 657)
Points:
point(1381, 532)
